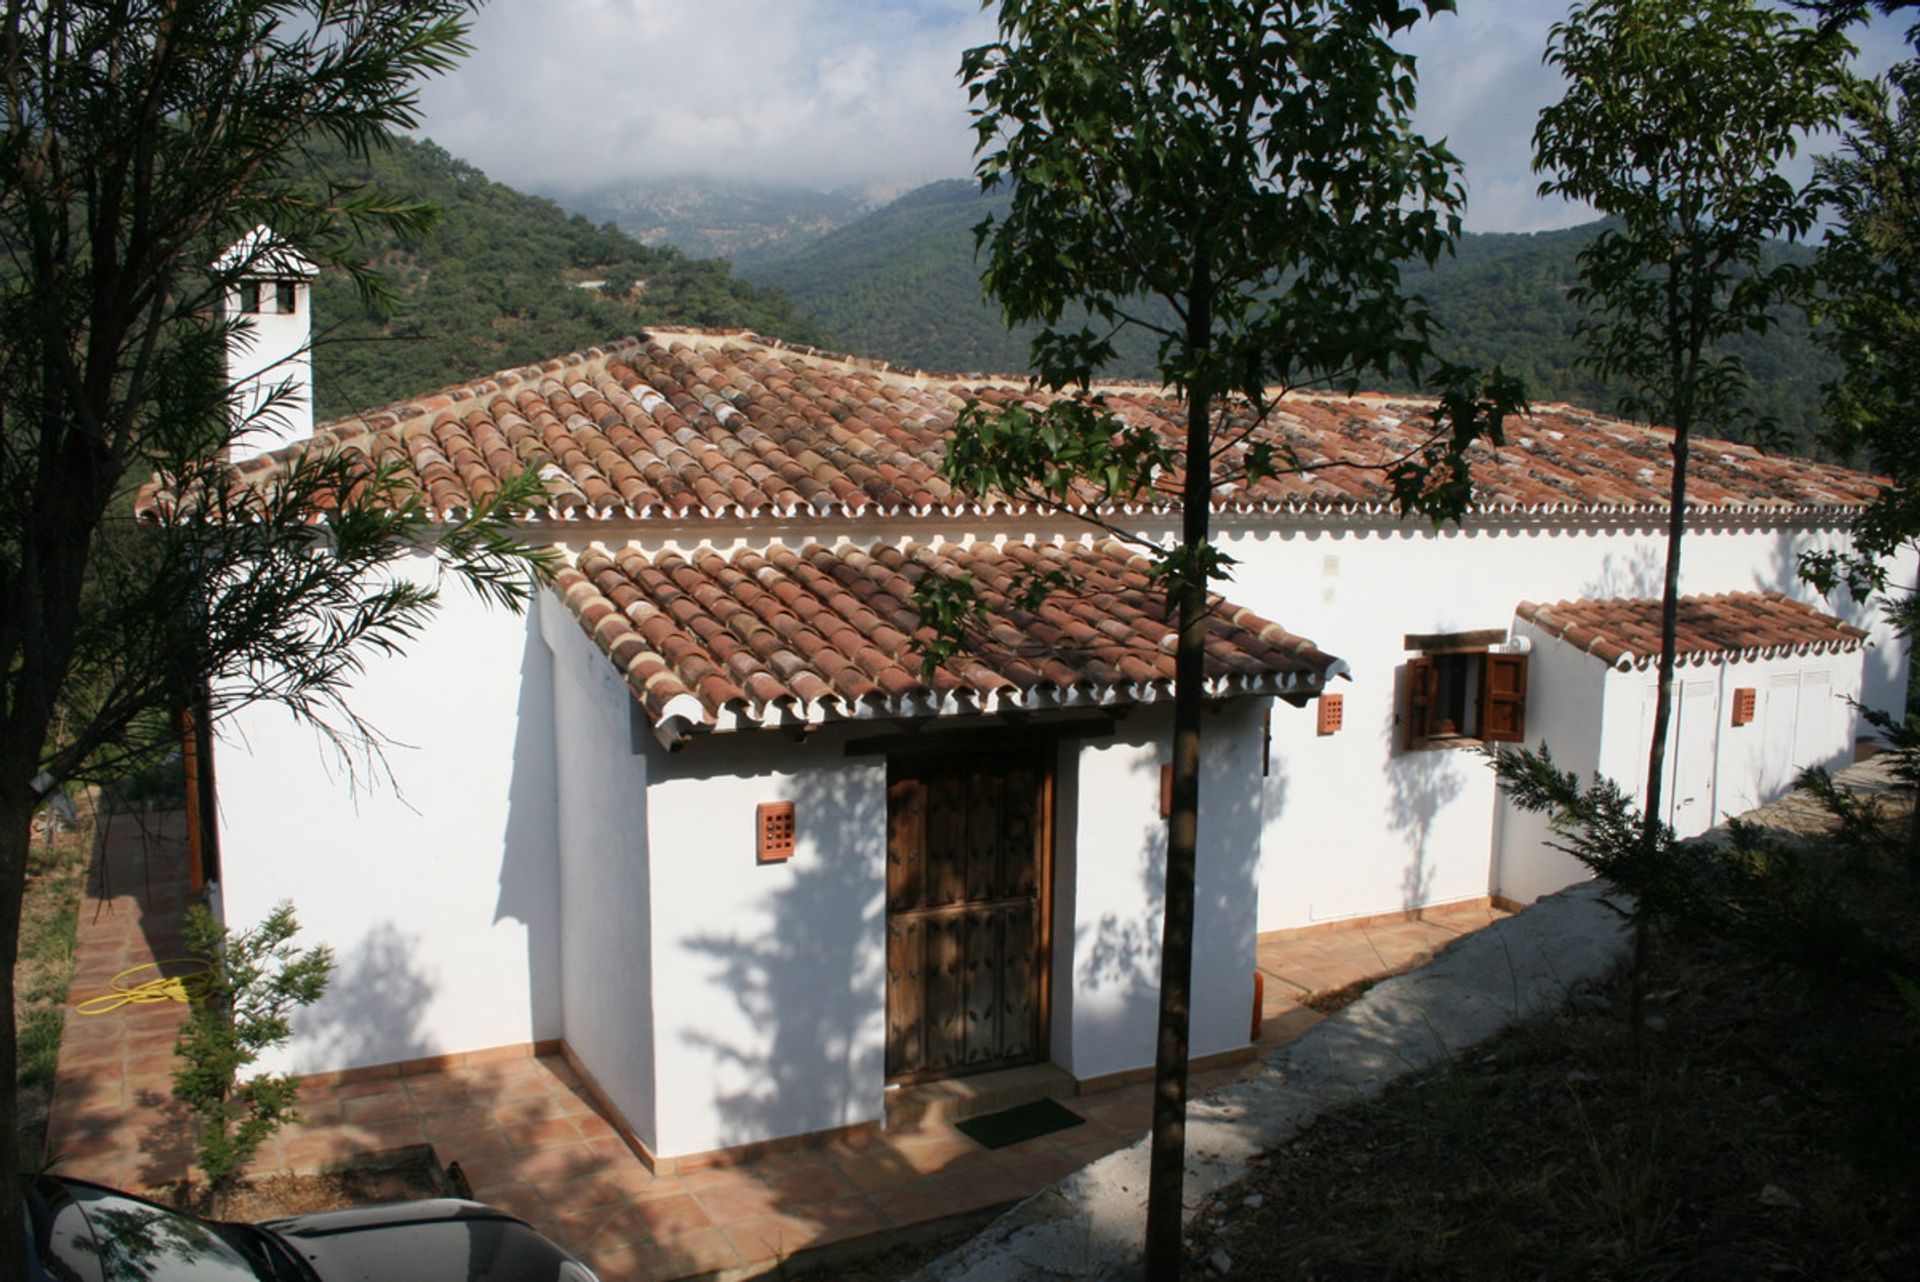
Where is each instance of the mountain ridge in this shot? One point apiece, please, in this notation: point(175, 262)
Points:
point(902, 284)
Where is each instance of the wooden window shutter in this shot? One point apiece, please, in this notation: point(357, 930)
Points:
point(1503, 699)
point(1423, 689)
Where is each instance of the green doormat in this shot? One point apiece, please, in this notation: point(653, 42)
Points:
point(1042, 1117)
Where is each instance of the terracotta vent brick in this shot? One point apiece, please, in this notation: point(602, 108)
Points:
point(1743, 702)
point(773, 824)
point(1331, 713)
point(1166, 791)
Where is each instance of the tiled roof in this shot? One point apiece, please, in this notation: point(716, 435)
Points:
point(686, 425)
point(1625, 632)
point(785, 636)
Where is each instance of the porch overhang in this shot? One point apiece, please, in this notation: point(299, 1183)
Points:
point(782, 638)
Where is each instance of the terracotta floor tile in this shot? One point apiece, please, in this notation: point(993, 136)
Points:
point(698, 1251)
point(658, 1186)
point(978, 1190)
point(803, 1187)
point(881, 1173)
point(913, 1206)
point(528, 1136)
point(439, 1095)
point(520, 1199)
point(594, 1188)
point(463, 1121)
point(740, 1198)
point(932, 1152)
point(618, 1260)
point(382, 1085)
point(558, 1164)
point(314, 1150)
point(526, 1110)
point(485, 1173)
point(666, 1217)
point(387, 1106)
point(708, 1176)
point(770, 1237)
point(579, 1225)
point(531, 1140)
point(320, 1112)
point(484, 1143)
point(842, 1219)
point(379, 1137)
point(595, 1127)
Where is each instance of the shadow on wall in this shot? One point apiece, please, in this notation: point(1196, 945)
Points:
point(1637, 574)
point(812, 981)
point(530, 853)
point(371, 1012)
point(1420, 786)
point(1118, 956)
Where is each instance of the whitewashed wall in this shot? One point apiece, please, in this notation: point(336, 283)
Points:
point(457, 905)
point(1355, 825)
point(605, 889)
point(769, 981)
point(1111, 874)
point(1718, 770)
point(1566, 706)
point(436, 888)
point(1599, 720)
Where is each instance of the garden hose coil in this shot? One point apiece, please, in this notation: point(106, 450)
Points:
point(189, 983)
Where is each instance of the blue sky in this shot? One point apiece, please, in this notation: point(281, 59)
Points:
point(576, 94)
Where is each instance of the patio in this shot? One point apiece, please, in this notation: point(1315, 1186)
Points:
point(530, 1139)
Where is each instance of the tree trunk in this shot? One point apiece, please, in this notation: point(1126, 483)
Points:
point(1167, 1168)
point(16, 835)
point(1662, 715)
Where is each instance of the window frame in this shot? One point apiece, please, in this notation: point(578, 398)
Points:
point(1472, 673)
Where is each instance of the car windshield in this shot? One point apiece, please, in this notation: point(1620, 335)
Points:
point(99, 1236)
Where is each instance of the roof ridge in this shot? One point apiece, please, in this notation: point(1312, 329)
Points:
point(396, 413)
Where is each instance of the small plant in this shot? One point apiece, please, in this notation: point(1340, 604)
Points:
point(256, 980)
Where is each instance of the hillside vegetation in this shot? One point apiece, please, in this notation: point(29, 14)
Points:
point(903, 284)
point(717, 218)
point(499, 283)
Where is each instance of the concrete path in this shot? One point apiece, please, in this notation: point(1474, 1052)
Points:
point(1091, 1224)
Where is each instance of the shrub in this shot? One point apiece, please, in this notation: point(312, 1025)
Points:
point(256, 980)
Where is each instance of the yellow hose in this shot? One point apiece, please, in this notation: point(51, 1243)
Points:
point(164, 988)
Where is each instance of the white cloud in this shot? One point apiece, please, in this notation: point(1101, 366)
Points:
point(577, 94)
point(822, 93)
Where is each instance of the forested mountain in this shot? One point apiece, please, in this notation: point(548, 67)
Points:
point(903, 284)
point(711, 218)
point(504, 280)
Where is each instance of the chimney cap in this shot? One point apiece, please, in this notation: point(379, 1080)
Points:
point(261, 253)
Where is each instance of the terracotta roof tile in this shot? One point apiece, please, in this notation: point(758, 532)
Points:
point(1625, 632)
point(779, 635)
point(686, 424)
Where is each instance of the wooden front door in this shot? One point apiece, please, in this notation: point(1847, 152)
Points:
point(968, 839)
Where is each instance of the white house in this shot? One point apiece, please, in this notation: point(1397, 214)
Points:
point(698, 818)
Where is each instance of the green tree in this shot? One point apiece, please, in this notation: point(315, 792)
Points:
point(139, 139)
point(255, 980)
point(1251, 169)
point(1870, 268)
point(1677, 117)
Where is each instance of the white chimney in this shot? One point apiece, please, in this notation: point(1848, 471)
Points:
point(269, 356)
